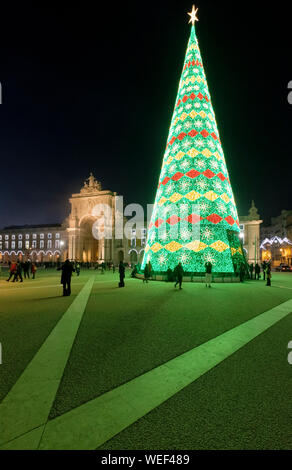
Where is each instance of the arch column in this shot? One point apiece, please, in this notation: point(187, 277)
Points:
point(73, 243)
point(101, 250)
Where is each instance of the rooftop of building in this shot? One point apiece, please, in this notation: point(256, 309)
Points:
point(27, 227)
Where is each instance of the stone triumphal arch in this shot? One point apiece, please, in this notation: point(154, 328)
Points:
point(84, 216)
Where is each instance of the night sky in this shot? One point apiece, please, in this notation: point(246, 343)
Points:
point(93, 88)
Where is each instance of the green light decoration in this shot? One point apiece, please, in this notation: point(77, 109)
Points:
point(194, 218)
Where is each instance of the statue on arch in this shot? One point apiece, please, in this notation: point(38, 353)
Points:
point(253, 212)
point(91, 185)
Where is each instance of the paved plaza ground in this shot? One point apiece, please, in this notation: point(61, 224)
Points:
point(145, 367)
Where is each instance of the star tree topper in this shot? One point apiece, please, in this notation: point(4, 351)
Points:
point(193, 15)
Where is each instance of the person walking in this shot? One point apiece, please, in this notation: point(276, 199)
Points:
point(122, 274)
point(33, 270)
point(23, 267)
point(179, 272)
point(18, 272)
point(269, 276)
point(257, 272)
point(242, 272)
point(208, 267)
point(265, 266)
point(28, 268)
point(150, 270)
point(134, 272)
point(12, 270)
point(77, 268)
point(169, 275)
point(146, 274)
point(67, 270)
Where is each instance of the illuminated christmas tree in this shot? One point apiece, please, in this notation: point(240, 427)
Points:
point(194, 218)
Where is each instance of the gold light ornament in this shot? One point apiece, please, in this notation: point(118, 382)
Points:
point(193, 15)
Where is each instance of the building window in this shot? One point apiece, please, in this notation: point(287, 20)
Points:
point(6, 245)
point(49, 235)
point(19, 237)
point(13, 245)
point(0, 237)
point(42, 244)
point(133, 242)
point(0, 245)
point(49, 243)
point(6, 237)
point(57, 235)
point(20, 244)
point(34, 244)
point(13, 237)
point(27, 236)
point(57, 243)
point(27, 245)
point(42, 236)
point(34, 236)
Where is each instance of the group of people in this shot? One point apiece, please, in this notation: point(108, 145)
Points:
point(16, 268)
point(176, 275)
point(255, 272)
point(244, 271)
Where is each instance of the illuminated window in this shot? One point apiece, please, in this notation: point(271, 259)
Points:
point(6, 245)
point(20, 244)
point(42, 244)
point(6, 237)
point(49, 235)
point(57, 235)
point(0, 245)
point(27, 236)
point(34, 236)
point(13, 245)
point(49, 243)
point(34, 244)
point(19, 237)
point(42, 235)
point(27, 244)
point(0, 237)
point(57, 243)
point(13, 237)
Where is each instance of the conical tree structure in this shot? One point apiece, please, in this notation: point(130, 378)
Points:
point(194, 218)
